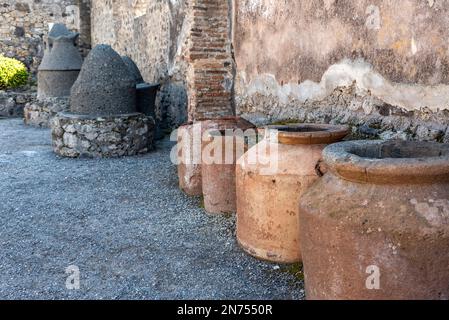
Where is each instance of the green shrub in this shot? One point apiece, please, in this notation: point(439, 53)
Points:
point(13, 73)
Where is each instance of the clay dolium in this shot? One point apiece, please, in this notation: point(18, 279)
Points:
point(270, 178)
point(376, 226)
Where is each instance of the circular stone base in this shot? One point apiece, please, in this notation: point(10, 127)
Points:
point(75, 135)
point(39, 113)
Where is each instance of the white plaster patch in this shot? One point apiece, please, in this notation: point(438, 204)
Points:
point(436, 212)
point(344, 74)
point(73, 17)
point(263, 8)
point(373, 20)
point(414, 46)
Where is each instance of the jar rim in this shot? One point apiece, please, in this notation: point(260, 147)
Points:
point(307, 133)
point(226, 122)
point(389, 162)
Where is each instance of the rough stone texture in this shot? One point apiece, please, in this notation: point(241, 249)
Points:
point(52, 84)
point(61, 54)
point(12, 103)
point(154, 35)
point(40, 112)
point(124, 223)
point(368, 116)
point(132, 67)
point(24, 24)
point(104, 86)
point(145, 95)
point(94, 137)
point(380, 61)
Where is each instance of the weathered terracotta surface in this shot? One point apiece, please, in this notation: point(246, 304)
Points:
point(267, 202)
point(189, 172)
point(380, 213)
point(224, 123)
point(218, 179)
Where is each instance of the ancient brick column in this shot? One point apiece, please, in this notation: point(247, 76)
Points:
point(211, 66)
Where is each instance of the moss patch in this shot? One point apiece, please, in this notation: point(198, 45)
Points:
point(201, 203)
point(295, 270)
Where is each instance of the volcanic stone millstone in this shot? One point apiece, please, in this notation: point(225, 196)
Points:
point(105, 86)
point(60, 65)
point(59, 29)
point(132, 67)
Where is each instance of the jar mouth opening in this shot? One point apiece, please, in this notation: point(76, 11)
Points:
point(227, 122)
point(389, 162)
point(219, 118)
point(221, 133)
point(399, 150)
point(300, 129)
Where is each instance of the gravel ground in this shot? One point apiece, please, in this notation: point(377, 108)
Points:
point(123, 222)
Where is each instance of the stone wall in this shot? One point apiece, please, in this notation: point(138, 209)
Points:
point(154, 34)
point(12, 102)
point(23, 23)
point(379, 65)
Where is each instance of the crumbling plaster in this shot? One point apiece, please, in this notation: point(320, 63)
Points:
point(292, 56)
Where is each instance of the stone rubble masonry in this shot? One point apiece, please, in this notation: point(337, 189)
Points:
point(76, 136)
point(24, 24)
point(12, 102)
point(211, 67)
point(369, 117)
point(40, 111)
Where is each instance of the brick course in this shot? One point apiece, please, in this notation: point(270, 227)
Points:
point(211, 66)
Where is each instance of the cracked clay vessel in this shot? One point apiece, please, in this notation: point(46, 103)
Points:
point(267, 199)
point(376, 226)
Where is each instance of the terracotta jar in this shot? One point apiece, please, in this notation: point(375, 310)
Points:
point(190, 138)
point(189, 159)
point(222, 147)
point(270, 178)
point(376, 226)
